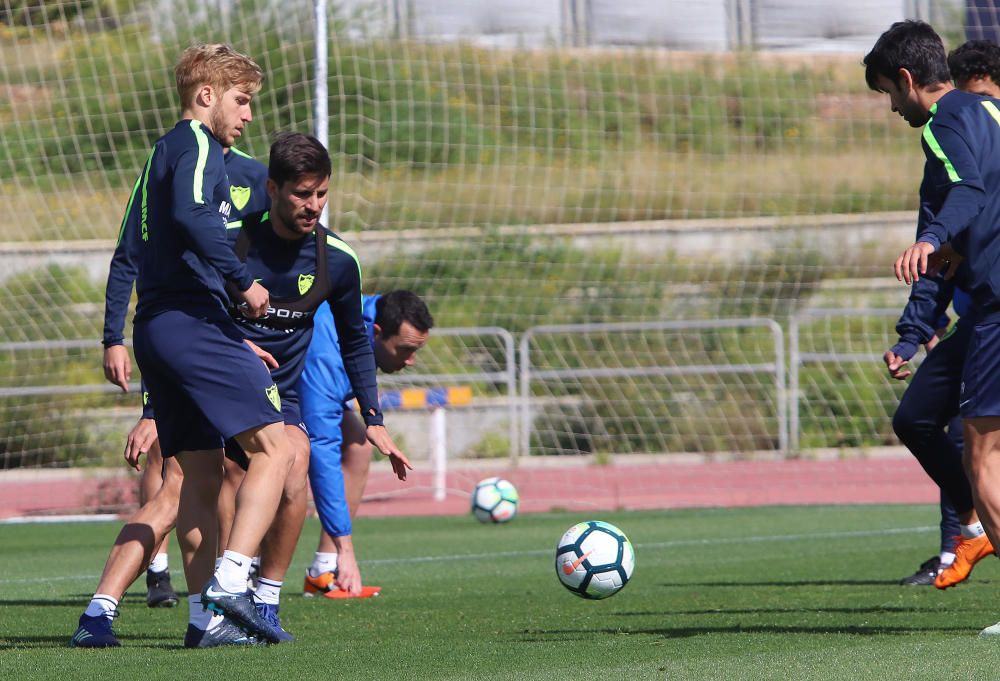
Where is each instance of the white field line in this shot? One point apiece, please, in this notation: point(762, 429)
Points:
point(542, 552)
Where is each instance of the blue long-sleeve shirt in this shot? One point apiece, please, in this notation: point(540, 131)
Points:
point(248, 194)
point(184, 203)
point(960, 191)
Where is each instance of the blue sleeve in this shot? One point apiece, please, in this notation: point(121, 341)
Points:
point(198, 169)
point(966, 196)
point(929, 298)
point(121, 274)
point(359, 359)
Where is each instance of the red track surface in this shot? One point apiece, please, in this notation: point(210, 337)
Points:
point(573, 487)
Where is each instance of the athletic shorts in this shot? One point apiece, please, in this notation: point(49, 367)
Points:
point(290, 411)
point(207, 383)
point(980, 393)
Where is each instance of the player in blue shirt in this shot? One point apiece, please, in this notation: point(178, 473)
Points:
point(399, 324)
point(247, 180)
point(959, 217)
point(931, 401)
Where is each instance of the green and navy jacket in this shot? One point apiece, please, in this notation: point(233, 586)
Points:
point(960, 191)
point(300, 275)
point(247, 192)
point(184, 205)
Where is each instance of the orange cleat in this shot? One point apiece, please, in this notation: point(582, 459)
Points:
point(325, 586)
point(967, 554)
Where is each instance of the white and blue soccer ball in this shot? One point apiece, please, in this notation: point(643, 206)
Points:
point(494, 500)
point(594, 559)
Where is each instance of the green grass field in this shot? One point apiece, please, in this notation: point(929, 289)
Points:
point(789, 593)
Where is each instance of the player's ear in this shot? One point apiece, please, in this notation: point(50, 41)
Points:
point(272, 189)
point(378, 330)
point(205, 95)
point(904, 78)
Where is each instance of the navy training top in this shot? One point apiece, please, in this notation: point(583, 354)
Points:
point(184, 204)
point(960, 191)
point(288, 269)
point(248, 194)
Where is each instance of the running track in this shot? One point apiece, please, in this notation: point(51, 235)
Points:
point(892, 477)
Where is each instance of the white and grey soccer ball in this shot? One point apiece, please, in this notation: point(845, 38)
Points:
point(594, 559)
point(494, 500)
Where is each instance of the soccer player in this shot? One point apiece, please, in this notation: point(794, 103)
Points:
point(209, 383)
point(297, 259)
point(931, 401)
point(399, 324)
point(959, 217)
point(247, 189)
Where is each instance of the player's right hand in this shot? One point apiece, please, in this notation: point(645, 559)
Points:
point(913, 262)
point(253, 301)
point(348, 575)
point(139, 440)
point(896, 365)
point(117, 366)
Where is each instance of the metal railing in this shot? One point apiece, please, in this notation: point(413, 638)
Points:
point(777, 367)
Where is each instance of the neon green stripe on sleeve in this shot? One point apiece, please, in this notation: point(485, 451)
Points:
point(939, 152)
point(128, 208)
point(144, 222)
point(199, 169)
point(342, 246)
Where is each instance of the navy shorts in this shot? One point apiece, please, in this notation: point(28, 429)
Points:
point(292, 414)
point(207, 383)
point(980, 395)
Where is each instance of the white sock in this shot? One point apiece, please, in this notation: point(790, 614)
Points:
point(973, 530)
point(268, 591)
point(101, 604)
point(947, 558)
point(199, 617)
point(159, 563)
point(233, 572)
point(323, 562)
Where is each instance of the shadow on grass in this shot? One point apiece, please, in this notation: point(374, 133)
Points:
point(16, 642)
point(563, 635)
point(874, 610)
point(803, 582)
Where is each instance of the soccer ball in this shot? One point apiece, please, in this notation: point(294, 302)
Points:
point(494, 500)
point(594, 559)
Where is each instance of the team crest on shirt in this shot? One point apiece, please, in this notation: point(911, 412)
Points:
point(305, 283)
point(272, 394)
point(145, 398)
point(240, 196)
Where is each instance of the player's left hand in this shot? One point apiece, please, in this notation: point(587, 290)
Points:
point(139, 440)
point(266, 357)
point(913, 262)
point(379, 437)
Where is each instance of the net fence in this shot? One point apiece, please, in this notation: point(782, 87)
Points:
point(573, 164)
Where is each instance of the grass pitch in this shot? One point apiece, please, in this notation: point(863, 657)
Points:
point(770, 593)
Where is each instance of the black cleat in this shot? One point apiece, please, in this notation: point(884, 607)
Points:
point(239, 608)
point(226, 634)
point(924, 576)
point(159, 592)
